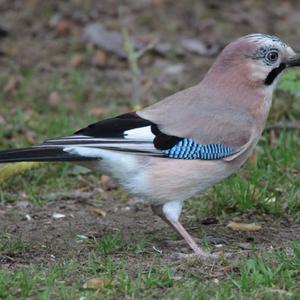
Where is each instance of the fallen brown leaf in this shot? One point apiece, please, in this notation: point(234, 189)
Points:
point(243, 226)
point(96, 283)
point(66, 27)
point(28, 112)
point(11, 85)
point(99, 212)
point(30, 137)
point(252, 157)
point(76, 61)
point(107, 183)
point(54, 99)
point(99, 59)
point(98, 111)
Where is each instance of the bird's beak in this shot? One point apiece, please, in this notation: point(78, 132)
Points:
point(294, 61)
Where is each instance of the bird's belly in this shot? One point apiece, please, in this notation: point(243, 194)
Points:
point(129, 170)
point(178, 179)
point(160, 180)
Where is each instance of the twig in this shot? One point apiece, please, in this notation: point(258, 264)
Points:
point(147, 48)
point(9, 258)
point(133, 59)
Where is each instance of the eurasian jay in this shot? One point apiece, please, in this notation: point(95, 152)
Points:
point(187, 142)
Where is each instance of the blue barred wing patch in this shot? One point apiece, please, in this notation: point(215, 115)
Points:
point(188, 149)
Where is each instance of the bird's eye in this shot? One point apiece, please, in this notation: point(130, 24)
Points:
point(272, 56)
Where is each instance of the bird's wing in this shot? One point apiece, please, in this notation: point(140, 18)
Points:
point(204, 119)
point(127, 132)
point(132, 133)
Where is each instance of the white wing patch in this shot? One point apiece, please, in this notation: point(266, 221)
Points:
point(141, 134)
point(84, 151)
point(136, 141)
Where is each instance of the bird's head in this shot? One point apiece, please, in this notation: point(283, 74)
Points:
point(256, 60)
point(267, 56)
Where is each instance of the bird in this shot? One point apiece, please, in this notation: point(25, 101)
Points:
point(187, 142)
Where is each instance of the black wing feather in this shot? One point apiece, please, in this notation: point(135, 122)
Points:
point(115, 128)
point(163, 141)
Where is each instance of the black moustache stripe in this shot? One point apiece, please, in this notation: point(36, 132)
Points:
point(274, 73)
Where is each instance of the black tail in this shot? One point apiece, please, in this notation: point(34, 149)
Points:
point(38, 154)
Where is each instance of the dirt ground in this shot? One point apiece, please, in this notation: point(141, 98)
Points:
point(52, 240)
point(31, 38)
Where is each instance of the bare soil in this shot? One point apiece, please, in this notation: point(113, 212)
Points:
point(51, 240)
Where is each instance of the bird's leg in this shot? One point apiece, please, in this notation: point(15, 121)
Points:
point(177, 226)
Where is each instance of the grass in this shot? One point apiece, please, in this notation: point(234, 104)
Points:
point(268, 185)
point(10, 245)
point(272, 275)
point(258, 188)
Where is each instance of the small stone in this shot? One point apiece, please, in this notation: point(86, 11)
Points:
point(58, 216)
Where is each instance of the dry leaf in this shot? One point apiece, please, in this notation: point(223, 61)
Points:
point(11, 85)
point(107, 183)
point(243, 226)
point(28, 114)
point(66, 27)
point(96, 283)
point(99, 212)
point(99, 59)
point(76, 61)
point(252, 157)
point(98, 111)
point(54, 99)
point(30, 136)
